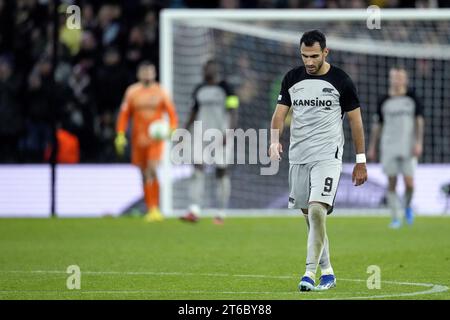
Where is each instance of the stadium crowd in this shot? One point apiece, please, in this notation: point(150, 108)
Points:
point(95, 65)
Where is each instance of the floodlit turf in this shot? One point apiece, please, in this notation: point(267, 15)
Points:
point(247, 258)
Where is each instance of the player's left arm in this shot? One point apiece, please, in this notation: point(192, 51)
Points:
point(419, 127)
point(356, 125)
point(171, 111)
point(231, 105)
point(124, 113)
point(123, 118)
point(350, 103)
point(418, 147)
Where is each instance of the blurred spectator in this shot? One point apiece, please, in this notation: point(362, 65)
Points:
point(88, 55)
point(63, 68)
point(229, 4)
point(88, 19)
point(68, 148)
point(426, 3)
point(357, 4)
point(82, 110)
point(80, 84)
point(11, 115)
point(105, 130)
point(38, 42)
point(112, 80)
point(42, 95)
point(109, 28)
point(294, 4)
point(151, 36)
point(332, 4)
point(136, 49)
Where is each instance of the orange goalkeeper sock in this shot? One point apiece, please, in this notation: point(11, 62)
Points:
point(151, 192)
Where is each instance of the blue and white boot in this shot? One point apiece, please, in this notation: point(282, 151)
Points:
point(327, 281)
point(306, 284)
point(395, 224)
point(409, 216)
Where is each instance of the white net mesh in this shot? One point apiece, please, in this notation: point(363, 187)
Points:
point(254, 56)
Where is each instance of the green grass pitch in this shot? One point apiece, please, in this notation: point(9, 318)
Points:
point(246, 258)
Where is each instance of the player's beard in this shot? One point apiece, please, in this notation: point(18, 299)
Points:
point(210, 78)
point(315, 70)
point(319, 66)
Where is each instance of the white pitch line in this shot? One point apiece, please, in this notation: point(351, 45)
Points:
point(394, 282)
point(159, 292)
point(434, 288)
point(148, 273)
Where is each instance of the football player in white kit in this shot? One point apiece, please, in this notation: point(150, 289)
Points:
point(215, 106)
point(320, 95)
point(400, 124)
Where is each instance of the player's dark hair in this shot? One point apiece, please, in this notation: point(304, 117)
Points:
point(145, 63)
point(210, 62)
point(313, 36)
point(210, 70)
point(398, 67)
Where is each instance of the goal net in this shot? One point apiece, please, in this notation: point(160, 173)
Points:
point(255, 48)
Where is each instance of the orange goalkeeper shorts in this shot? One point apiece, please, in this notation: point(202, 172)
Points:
point(140, 156)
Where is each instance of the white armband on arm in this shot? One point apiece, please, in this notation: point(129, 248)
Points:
point(360, 158)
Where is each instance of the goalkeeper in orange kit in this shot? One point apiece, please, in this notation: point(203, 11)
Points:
point(145, 102)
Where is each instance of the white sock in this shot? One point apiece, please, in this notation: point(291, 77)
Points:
point(195, 209)
point(407, 198)
point(317, 214)
point(393, 203)
point(327, 271)
point(197, 190)
point(324, 262)
point(223, 193)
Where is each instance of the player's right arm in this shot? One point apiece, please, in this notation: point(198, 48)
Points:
point(375, 133)
point(276, 129)
point(278, 119)
point(419, 127)
point(418, 146)
point(171, 111)
point(191, 118)
point(123, 118)
point(194, 109)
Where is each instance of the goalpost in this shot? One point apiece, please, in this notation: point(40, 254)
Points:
point(255, 49)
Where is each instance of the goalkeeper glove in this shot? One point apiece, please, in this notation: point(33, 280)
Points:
point(120, 143)
point(171, 132)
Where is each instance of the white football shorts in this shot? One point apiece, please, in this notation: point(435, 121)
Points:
point(314, 182)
